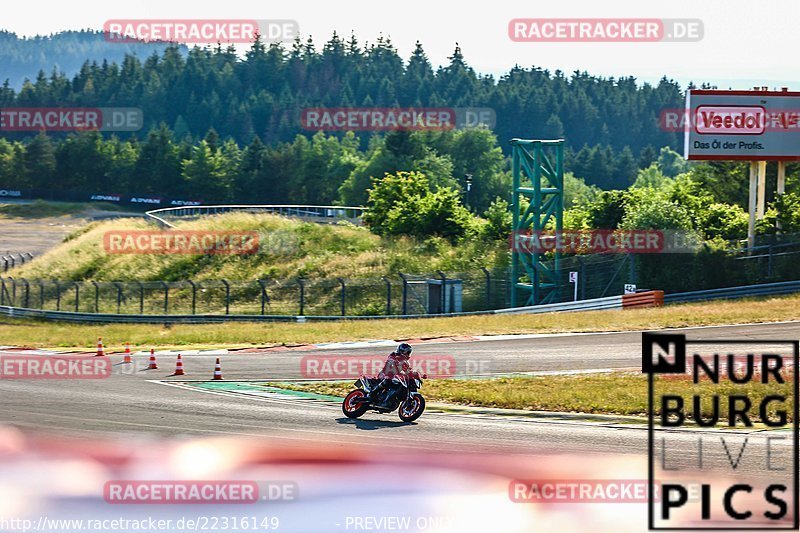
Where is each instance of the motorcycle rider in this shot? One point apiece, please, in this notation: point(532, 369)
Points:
point(396, 364)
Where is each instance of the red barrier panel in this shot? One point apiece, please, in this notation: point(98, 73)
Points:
point(643, 299)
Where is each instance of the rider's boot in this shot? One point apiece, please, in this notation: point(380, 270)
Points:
point(375, 392)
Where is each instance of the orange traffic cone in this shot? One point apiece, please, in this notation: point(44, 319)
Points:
point(127, 357)
point(178, 367)
point(100, 352)
point(217, 370)
point(153, 365)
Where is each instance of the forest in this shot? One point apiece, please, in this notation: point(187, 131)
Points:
point(249, 107)
point(223, 127)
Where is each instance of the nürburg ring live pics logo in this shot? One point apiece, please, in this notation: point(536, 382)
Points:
point(722, 433)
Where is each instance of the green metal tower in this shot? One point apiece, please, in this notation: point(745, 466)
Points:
point(538, 169)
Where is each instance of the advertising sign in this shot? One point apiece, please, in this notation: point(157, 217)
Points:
point(741, 125)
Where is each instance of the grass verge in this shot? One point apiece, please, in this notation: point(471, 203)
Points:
point(20, 332)
point(617, 393)
point(287, 249)
point(44, 209)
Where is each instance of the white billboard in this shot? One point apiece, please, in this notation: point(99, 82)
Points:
point(742, 125)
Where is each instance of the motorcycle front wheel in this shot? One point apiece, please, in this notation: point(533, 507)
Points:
point(352, 409)
point(412, 408)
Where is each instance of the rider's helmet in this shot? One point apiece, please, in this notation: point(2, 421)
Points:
point(404, 350)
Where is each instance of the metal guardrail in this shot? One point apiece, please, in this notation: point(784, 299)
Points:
point(10, 260)
point(317, 213)
point(764, 289)
point(611, 302)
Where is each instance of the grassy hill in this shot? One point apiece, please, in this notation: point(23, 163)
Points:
point(288, 249)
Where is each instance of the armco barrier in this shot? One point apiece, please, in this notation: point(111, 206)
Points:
point(129, 200)
point(315, 213)
point(763, 289)
point(9, 261)
point(611, 302)
point(643, 299)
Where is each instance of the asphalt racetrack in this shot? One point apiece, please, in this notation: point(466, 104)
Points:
point(143, 402)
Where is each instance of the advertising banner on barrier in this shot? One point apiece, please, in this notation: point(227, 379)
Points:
point(133, 200)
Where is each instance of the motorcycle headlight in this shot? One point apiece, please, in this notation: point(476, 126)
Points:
point(419, 383)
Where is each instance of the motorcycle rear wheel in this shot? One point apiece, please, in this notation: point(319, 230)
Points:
point(416, 410)
point(353, 410)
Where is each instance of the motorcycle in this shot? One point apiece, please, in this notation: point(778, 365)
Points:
point(402, 392)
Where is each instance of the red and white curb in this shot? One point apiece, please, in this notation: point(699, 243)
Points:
point(169, 353)
point(13, 350)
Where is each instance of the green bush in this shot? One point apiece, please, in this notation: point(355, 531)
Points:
point(498, 220)
point(404, 204)
point(726, 221)
point(607, 211)
point(651, 177)
point(787, 207)
point(656, 212)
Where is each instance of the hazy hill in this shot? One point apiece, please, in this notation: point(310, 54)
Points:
point(24, 57)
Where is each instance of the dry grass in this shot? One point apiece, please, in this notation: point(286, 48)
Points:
point(618, 393)
point(45, 209)
point(42, 334)
point(288, 249)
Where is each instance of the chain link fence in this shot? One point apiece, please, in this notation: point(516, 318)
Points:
point(773, 259)
point(9, 260)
